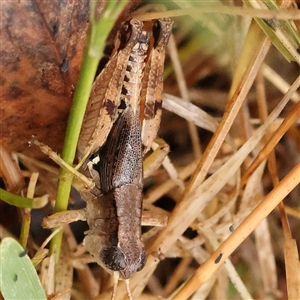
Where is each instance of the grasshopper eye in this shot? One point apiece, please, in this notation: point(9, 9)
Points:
point(143, 259)
point(113, 258)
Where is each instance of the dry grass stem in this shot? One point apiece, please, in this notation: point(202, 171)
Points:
point(183, 92)
point(247, 226)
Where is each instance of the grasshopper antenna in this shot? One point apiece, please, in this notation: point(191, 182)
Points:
point(128, 289)
point(116, 280)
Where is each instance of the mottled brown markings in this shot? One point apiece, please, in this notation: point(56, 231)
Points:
point(151, 111)
point(157, 106)
point(110, 107)
point(124, 91)
point(31, 7)
point(133, 79)
point(8, 58)
point(122, 105)
point(14, 91)
point(10, 12)
point(51, 79)
point(125, 141)
point(114, 218)
point(131, 58)
point(64, 65)
point(15, 66)
point(121, 178)
point(24, 40)
point(151, 94)
point(109, 85)
point(55, 29)
point(2, 80)
point(114, 238)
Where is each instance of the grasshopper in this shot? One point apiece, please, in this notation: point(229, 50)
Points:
point(121, 121)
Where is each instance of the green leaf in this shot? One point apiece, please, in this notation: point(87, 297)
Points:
point(18, 277)
point(23, 202)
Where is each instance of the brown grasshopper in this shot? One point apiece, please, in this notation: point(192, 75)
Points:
point(122, 119)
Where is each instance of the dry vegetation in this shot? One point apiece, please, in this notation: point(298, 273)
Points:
point(230, 190)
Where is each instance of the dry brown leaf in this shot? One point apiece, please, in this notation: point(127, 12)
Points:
point(42, 47)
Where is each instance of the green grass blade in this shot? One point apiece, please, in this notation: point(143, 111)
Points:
point(20, 201)
point(18, 277)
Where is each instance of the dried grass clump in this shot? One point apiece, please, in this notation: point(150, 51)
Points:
point(229, 185)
